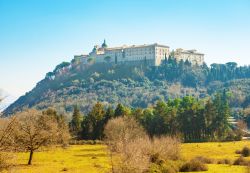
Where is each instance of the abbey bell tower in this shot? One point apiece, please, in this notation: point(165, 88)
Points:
point(104, 45)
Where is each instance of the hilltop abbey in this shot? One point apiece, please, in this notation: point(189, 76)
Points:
point(153, 54)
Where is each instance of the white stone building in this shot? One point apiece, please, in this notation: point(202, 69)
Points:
point(152, 54)
point(191, 55)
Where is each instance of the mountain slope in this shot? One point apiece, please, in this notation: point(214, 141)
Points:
point(133, 85)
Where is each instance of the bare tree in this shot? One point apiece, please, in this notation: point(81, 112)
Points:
point(7, 126)
point(120, 131)
point(63, 128)
point(124, 137)
point(6, 130)
point(35, 130)
point(136, 150)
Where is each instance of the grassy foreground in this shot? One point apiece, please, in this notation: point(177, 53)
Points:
point(94, 158)
point(75, 159)
point(216, 151)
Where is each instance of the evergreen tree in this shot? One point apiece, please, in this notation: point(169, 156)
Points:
point(210, 116)
point(149, 122)
point(165, 60)
point(108, 114)
point(121, 110)
point(196, 120)
point(96, 121)
point(173, 122)
point(138, 114)
point(161, 118)
point(75, 124)
point(222, 114)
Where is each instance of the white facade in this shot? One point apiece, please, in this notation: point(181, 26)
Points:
point(152, 54)
point(191, 55)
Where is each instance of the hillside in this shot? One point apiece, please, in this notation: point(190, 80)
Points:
point(132, 85)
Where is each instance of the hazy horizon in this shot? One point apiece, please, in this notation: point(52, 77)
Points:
point(35, 36)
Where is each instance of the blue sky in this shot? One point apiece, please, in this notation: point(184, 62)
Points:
point(36, 35)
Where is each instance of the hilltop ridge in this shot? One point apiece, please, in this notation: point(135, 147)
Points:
point(135, 85)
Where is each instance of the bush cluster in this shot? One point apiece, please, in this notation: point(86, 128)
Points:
point(139, 153)
point(245, 152)
point(193, 166)
point(204, 160)
point(241, 161)
point(165, 166)
point(82, 142)
point(224, 161)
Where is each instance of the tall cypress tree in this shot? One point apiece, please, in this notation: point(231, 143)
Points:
point(210, 116)
point(222, 113)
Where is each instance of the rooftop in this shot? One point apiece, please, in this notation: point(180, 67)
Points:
point(192, 51)
point(136, 46)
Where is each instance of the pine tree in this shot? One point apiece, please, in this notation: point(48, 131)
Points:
point(210, 116)
point(160, 117)
point(120, 110)
point(75, 124)
point(222, 113)
point(108, 114)
point(96, 121)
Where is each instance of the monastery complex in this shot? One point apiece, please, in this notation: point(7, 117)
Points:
point(153, 54)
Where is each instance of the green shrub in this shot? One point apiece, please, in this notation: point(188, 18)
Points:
point(165, 167)
point(155, 158)
point(245, 152)
point(88, 142)
point(193, 166)
point(161, 169)
point(204, 160)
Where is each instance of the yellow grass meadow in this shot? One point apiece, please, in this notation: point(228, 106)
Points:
point(217, 151)
point(95, 158)
point(74, 159)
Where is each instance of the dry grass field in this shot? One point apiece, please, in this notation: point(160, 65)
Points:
point(75, 159)
point(95, 159)
point(216, 151)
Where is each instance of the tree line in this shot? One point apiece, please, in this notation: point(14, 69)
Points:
point(194, 75)
point(189, 118)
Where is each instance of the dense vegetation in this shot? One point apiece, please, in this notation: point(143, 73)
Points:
point(135, 85)
point(145, 140)
point(189, 118)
